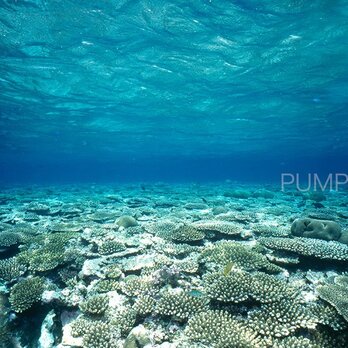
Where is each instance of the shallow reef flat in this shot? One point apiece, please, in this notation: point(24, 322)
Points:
point(173, 266)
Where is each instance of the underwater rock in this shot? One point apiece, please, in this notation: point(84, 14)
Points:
point(138, 262)
point(317, 196)
point(68, 340)
point(219, 210)
point(126, 221)
point(46, 339)
point(344, 237)
point(139, 337)
point(311, 228)
point(195, 206)
point(92, 268)
point(38, 208)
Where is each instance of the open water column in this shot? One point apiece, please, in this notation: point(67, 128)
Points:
point(173, 174)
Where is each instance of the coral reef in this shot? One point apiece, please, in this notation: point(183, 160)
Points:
point(331, 250)
point(179, 304)
point(11, 269)
point(95, 305)
point(224, 227)
point(183, 266)
point(111, 247)
point(336, 294)
point(8, 239)
point(186, 234)
point(281, 318)
point(240, 286)
point(219, 329)
point(25, 293)
point(241, 256)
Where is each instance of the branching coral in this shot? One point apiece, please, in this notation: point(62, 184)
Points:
point(46, 252)
point(95, 305)
point(281, 318)
point(110, 247)
point(336, 294)
point(106, 285)
point(25, 293)
point(219, 329)
point(135, 286)
point(179, 305)
point(11, 269)
point(308, 247)
point(8, 239)
point(223, 227)
point(182, 233)
point(144, 304)
point(123, 319)
point(187, 234)
point(241, 256)
point(100, 335)
point(240, 286)
point(5, 334)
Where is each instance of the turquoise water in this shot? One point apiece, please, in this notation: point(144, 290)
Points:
point(142, 146)
point(166, 89)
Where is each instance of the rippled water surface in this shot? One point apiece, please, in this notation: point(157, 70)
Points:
point(88, 80)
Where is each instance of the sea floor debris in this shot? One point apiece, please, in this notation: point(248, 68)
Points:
point(171, 266)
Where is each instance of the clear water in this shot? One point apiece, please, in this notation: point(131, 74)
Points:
point(142, 144)
point(172, 90)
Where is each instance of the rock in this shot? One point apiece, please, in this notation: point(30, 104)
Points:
point(317, 196)
point(167, 345)
point(195, 206)
point(127, 221)
point(50, 296)
point(138, 337)
point(138, 262)
point(68, 340)
point(311, 228)
point(92, 268)
point(219, 210)
point(46, 339)
point(344, 237)
point(116, 300)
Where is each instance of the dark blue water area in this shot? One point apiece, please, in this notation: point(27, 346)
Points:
point(243, 169)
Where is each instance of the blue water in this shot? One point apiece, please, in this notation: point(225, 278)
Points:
point(172, 90)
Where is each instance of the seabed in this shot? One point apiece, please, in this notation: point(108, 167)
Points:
point(164, 265)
